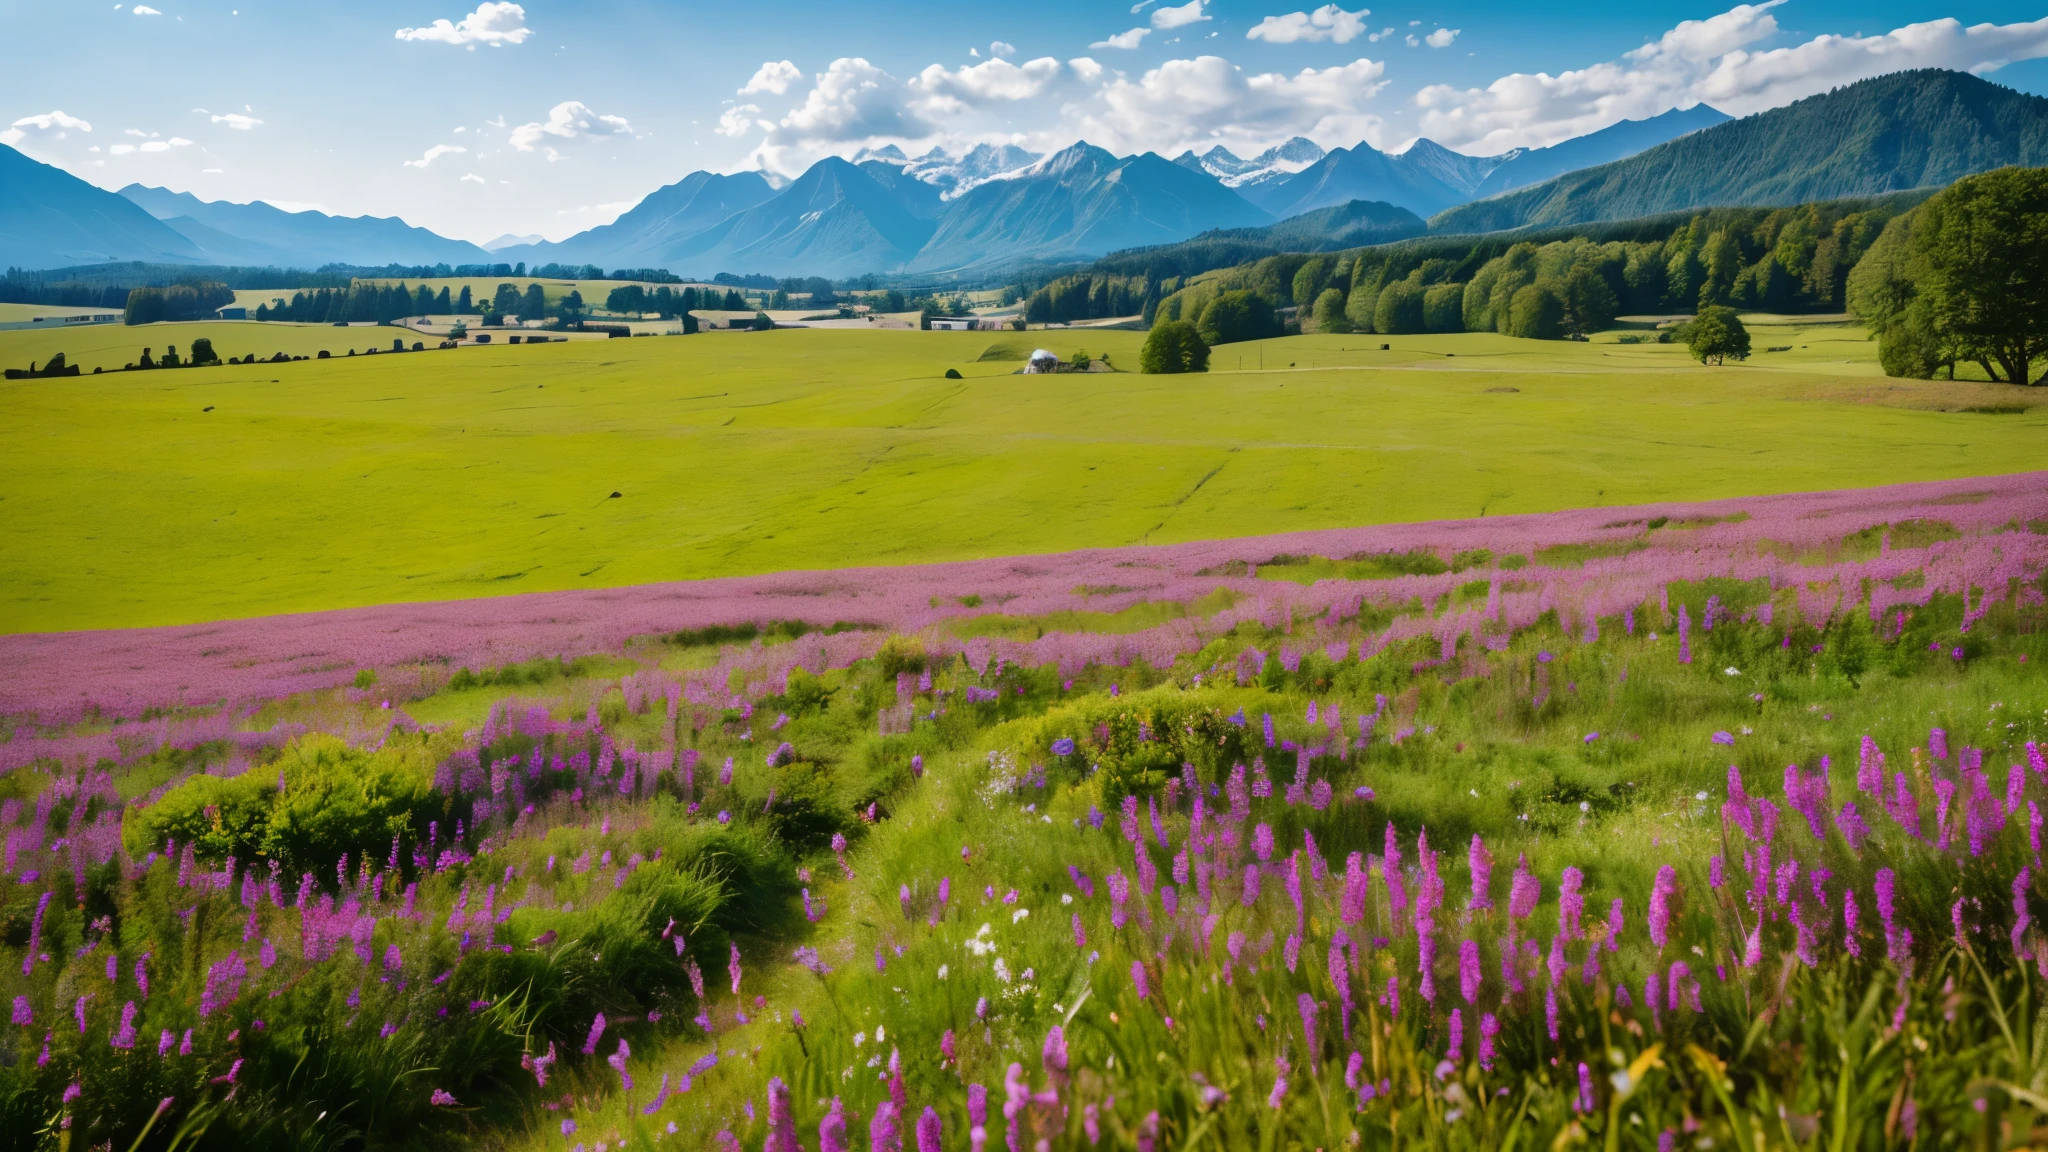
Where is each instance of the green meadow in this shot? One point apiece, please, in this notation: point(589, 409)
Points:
point(133, 499)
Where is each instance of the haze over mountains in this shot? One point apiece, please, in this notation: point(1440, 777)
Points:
point(992, 207)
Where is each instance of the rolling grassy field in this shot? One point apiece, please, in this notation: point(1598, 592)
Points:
point(109, 346)
point(142, 499)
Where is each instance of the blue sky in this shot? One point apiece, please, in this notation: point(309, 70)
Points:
point(477, 119)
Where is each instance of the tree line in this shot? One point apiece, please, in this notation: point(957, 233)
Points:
point(364, 303)
point(177, 302)
point(1785, 259)
point(1090, 296)
point(633, 299)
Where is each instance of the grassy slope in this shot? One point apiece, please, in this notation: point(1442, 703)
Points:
point(488, 471)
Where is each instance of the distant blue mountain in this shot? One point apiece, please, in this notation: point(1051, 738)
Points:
point(52, 219)
point(259, 233)
point(1614, 142)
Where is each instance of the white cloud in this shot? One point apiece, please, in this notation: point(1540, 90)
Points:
point(43, 126)
point(737, 121)
point(237, 121)
point(1442, 37)
point(1188, 13)
point(569, 120)
point(471, 178)
point(1002, 48)
point(1326, 23)
point(116, 150)
point(1125, 40)
point(165, 145)
point(145, 10)
point(773, 77)
point(433, 154)
point(1708, 60)
point(493, 23)
point(939, 92)
point(852, 101)
point(1208, 100)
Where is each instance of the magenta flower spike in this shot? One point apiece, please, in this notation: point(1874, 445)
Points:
point(1661, 894)
point(1480, 862)
point(1470, 977)
point(1426, 961)
point(884, 1131)
point(1524, 890)
point(781, 1122)
point(832, 1129)
point(931, 1131)
point(1571, 902)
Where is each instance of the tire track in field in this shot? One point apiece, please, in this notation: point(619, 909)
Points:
point(1186, 496)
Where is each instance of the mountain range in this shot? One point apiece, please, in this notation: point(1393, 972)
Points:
point(1917, 129)
point(994, 206)
point(259, 233)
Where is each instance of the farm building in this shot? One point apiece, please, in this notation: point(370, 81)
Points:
point(1042, 362)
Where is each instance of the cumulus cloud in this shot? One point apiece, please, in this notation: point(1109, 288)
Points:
point(237, 121)
point(851, 101)
point(493, 23)
point(43, 126)
point(1712, 61)
point(939, 92)
point(737, 121)
point(569, 120)
point(145, 10)
point(1181, 17)
point(1125, 40)
point(1442, 37)
point(1329, 23)
point(773, 77)
point(1208, 99)
point(433, 154)
point(1002, 48)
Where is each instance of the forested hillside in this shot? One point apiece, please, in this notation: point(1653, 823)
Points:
point(1921, 129)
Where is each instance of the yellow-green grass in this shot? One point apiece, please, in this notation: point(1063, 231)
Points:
point(484, 471)
point(23, 313)
point(110, 346)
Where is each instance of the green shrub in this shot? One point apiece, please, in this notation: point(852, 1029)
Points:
point(1174, 346)
point(336, 800)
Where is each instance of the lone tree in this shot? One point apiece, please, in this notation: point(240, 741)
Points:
point(1963, 277)
point(1986, 240)
point(1174, 346)
point(1717, 334)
